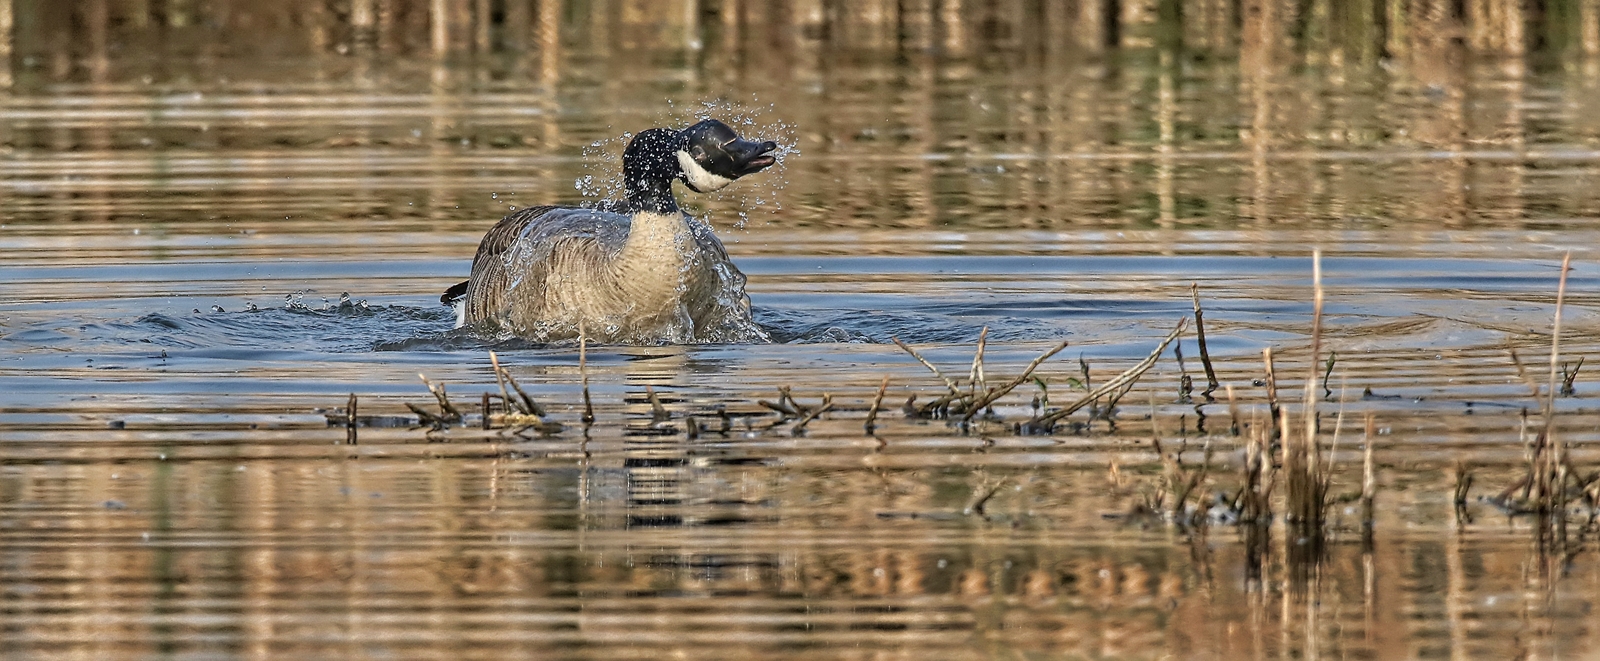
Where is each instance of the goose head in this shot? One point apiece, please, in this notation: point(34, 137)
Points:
point(705, 157)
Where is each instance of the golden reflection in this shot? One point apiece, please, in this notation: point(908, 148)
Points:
point(1082, 127)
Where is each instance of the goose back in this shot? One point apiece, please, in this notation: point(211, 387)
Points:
point(548, 273)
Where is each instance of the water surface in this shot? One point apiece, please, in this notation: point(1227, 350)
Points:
point(217, 222)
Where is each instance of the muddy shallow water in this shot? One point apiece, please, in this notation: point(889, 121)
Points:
point(187, 192)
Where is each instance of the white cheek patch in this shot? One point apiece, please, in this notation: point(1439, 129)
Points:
point(699, 178)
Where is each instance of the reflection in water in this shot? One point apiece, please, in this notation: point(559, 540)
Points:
point(168, 484)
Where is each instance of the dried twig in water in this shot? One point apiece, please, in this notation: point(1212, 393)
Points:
point(500, 378)
point(1567, 377)
point(484, 422)
point(1180, 480)
point(657, 411)
point(1554, 500)
point(948, 382)
point(449, 410)
point(1233, 413)
point(526, 405)
point(424, 417)
point(1272, 388)
point(981, 496)
point(785, 405)
point(1369, 481)
point(1127, 378)
point(1333, 357)
point(827, 405)
point(872, 413)
point(1302, 456)
point(1522, 373)
point(1200, 338)
point(995, 394)
point(1463, 486)
point(583, 372)
point(350, 421)
point(975, 377)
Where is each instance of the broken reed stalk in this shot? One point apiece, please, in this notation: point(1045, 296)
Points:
point(1522, 373)
point(500, 378)
point(1272, 388)
point(1181, 481)
point(1567, 389)
point(657, 411)
point(1369, 482)
point(994, 394)
point(1200, 338)
point(800, 427)
point(877, 402)
point(1463, 487)
point(526, 405)
point(484, 423)
point(350, 421)
point(1254, 501)
point(948, 382)
point(1554, 470)
point(451, 414)
point(583, 372)
point(1126, 378)
point(786, 405)
point(1233, 412)
point(981, 495)
point(975, 377)
point(1302, 456)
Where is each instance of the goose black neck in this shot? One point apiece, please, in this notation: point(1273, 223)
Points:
point(649, 164)
point(651, 195)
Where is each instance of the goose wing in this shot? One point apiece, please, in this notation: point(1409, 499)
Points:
point(521, 249)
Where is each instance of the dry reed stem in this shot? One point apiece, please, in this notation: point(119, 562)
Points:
point(1567, 378)
point(1555, 455)
point(981, 496)
point(948, 382)
point(1253, 502)
point(877, 402)
point(583, 372)
point(451, 414)
point(786, 406)
point(1272, 387)
point(1463, 486)
point(1200, 338)
point(500, 378)
point(424, 417)
point(994, 394)
point(1522, 373)
point(1179, 480)
point(1233, 412)
point(350, 421)
point(484, 406)
point(827, 405)
point(1302, 456)
point(1369, 482)
point(657, 411)
point(1127, 378)
point(526, 405)
point(975, 377)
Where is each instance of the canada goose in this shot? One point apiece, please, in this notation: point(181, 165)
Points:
point(638, 271)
